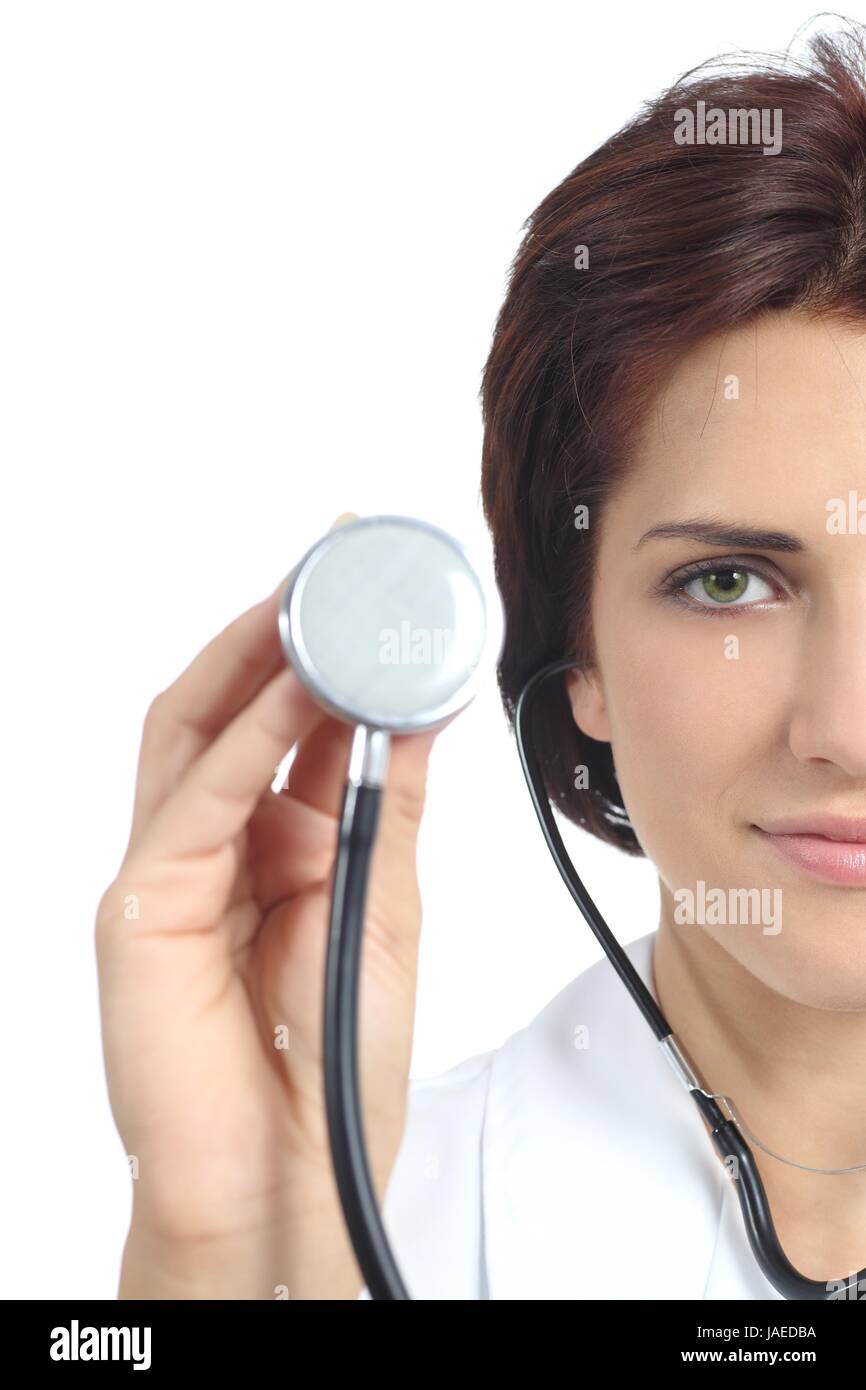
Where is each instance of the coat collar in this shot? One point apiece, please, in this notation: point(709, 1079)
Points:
point(599, 1178)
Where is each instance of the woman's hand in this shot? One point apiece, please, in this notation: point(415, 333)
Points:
point(211, 945)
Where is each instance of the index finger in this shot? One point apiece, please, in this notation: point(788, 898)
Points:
point(190, 713)
point(218, 794)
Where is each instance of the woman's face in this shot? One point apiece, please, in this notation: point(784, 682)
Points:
point(742, 698)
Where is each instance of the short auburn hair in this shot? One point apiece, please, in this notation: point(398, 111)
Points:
point(684, 241)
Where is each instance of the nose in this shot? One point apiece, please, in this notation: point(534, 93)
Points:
point(828, 722)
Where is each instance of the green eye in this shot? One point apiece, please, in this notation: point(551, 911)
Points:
point(721, 586)
point(725, 585)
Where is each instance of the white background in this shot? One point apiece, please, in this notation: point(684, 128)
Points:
point(252, 255)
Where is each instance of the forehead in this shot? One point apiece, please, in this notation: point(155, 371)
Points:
point(763, 423)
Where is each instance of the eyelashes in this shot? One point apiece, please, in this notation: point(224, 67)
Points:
point(710, 570)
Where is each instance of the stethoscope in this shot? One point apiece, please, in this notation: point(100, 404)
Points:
point(391, 628)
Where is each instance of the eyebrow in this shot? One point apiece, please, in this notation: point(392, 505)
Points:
point(729, 533)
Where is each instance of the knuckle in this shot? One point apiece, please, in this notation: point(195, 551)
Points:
point(155, 713)
point(405, 803)
point(106, 911)
point(108, 901)
point(119, 901)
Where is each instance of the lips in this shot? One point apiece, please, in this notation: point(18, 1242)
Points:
point(850, 829)
point(828, 847)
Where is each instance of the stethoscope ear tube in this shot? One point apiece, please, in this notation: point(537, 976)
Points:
point(358, 821)
point(523, 729)
point(766, 1247)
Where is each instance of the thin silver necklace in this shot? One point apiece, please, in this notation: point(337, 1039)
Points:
point(741, 1124)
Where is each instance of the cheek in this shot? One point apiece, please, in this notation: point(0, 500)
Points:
point(686, 735)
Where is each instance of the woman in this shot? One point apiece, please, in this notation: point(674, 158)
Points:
point(674, 444)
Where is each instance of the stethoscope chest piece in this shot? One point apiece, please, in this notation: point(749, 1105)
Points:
point(388, 624)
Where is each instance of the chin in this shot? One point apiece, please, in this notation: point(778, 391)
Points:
point(816, 960)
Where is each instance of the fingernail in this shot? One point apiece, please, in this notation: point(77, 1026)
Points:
point(338, 521)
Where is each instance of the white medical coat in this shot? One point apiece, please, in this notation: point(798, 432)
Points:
point(569, 1163)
